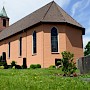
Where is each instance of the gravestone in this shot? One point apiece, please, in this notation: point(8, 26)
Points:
point(84, 64)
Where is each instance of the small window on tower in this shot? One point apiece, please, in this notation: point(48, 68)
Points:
point(4, 22)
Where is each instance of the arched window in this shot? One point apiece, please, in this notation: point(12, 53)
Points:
point(54, 40)
point(34, 42)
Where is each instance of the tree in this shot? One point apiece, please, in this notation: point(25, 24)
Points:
point(87, 49)
point(69, 66)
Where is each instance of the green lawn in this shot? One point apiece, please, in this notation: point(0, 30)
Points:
point(40, 79)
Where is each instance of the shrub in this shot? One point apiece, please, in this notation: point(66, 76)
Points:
point(38, 66)
point(69, 66)
point(34, 66)
point(1, 63)
point(13, 67)
point(13, 63)
point(18, 67)
point(9, 66)
point(4, 64)
point(1, 67)
point(52, 66)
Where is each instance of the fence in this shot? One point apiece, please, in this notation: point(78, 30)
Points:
point(84, 64)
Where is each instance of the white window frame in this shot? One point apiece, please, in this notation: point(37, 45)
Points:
point(58, 40)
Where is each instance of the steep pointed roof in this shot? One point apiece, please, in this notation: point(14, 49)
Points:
point(56, 14)
point(3, 13)
point(49, 13)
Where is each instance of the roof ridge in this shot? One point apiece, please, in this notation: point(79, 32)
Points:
point(47, 10)
point(59, 10)
point(68, 15)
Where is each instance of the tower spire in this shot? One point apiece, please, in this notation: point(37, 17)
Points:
point(4, 20)
point(3, 13)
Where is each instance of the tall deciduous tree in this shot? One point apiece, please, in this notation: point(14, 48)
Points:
point(87, 49)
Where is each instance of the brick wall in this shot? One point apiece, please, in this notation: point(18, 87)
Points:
point(1, 23)
point(70, 39)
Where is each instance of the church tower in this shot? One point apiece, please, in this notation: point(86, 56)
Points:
point(4, 20)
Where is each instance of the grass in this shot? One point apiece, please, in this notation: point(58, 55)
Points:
point(40, 79)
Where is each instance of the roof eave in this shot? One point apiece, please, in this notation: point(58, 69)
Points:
point(4, 17)
point(81, 28)
point(24, 30)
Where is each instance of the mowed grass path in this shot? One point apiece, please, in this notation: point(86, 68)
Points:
point(40, 79)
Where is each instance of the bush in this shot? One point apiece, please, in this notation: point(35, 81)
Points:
point(13, 67)
point(4, 64)
point(6, 67)
point(9, 66)
point(1, 63)
point(38, 66)
point(18, 67)
point(52, 66)
point(13, 63)
point(68, 64)
point(34, 66)
point(1, 67)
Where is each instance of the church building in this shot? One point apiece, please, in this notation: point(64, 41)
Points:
point(40, 37)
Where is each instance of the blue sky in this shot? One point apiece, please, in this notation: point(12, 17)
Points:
point(78, 9)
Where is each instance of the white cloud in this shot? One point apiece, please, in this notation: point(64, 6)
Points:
point(86, 39)
point(88, 30)
point(86, 4)
point(88, 27)
point(17, 9)
point(1, 3)
point(80, 6)
point(75, 7)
